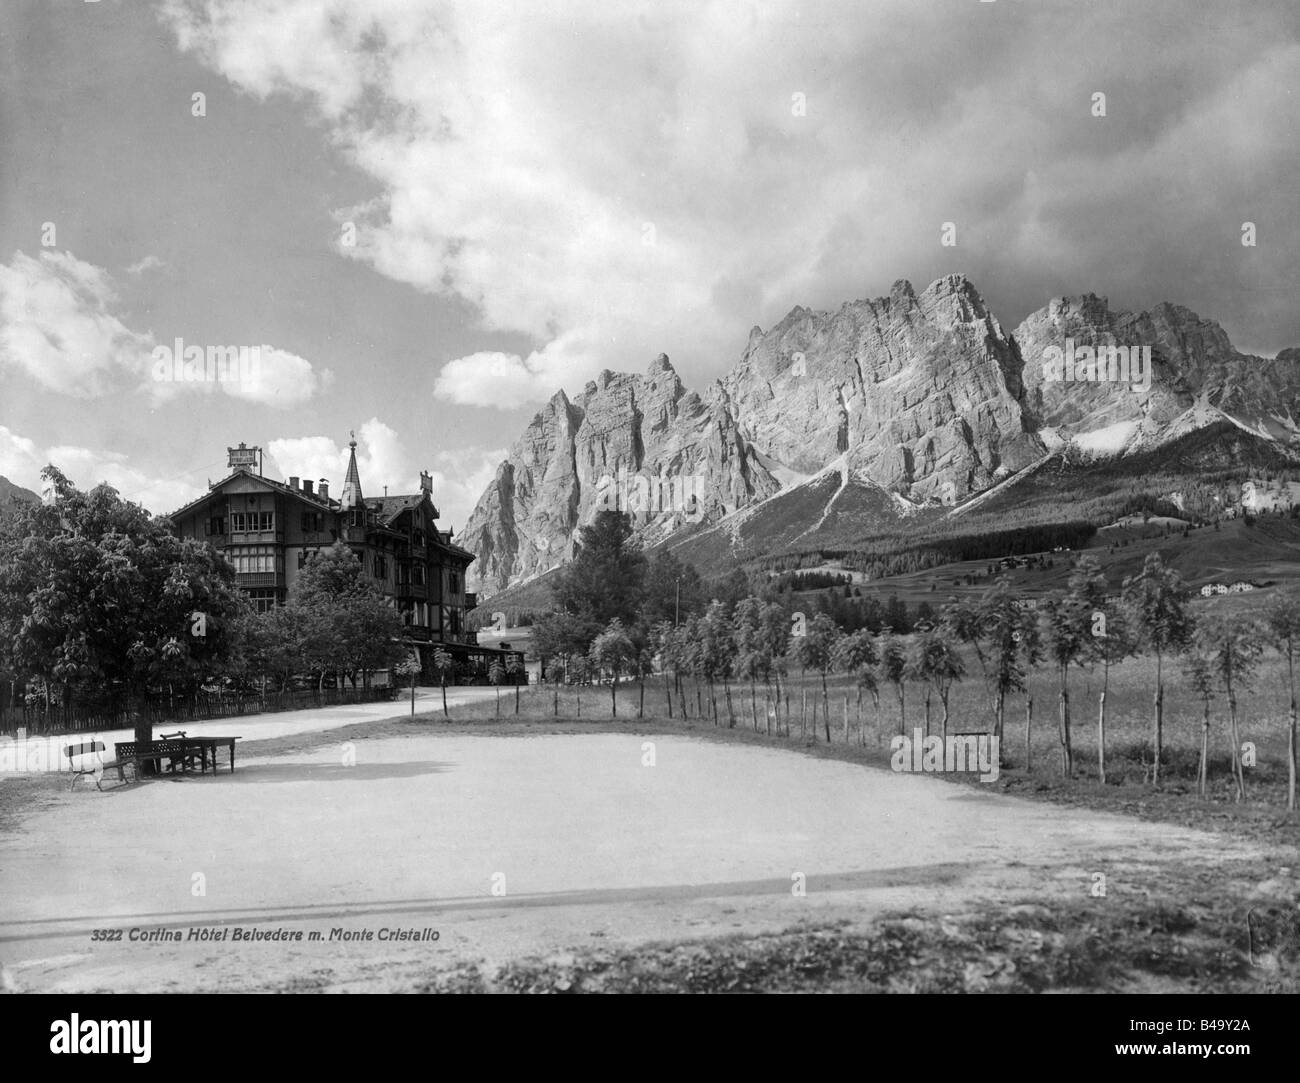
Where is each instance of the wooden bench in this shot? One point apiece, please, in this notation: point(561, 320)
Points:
point(142, 752)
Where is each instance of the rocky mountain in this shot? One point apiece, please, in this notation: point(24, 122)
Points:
point(834, 424)
point(11, 493)
point(641, 444)
point(1196, 377)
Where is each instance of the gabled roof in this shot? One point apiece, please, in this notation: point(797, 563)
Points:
point(313, 500)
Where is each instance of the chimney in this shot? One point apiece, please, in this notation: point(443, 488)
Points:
point(324, 489)
point(293, 482)
point(426, 482)
point(306, 486)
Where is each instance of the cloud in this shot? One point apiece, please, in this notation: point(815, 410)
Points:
point(618, 180)
point(139, 267)
point(507, 381)
point(383, 459)
point(22, 460)
point(56, 326)
point(279, 378)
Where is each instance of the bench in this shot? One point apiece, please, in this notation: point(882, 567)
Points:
point(88, 748)
point(174, 751)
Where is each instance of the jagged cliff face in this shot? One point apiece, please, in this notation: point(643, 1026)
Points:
point(641, 444)
point(923, 393)
point(873, 410)
point(1195, 372)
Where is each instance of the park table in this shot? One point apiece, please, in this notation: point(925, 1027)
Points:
point(207, 746)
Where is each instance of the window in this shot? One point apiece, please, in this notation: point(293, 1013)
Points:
point(311, 522)
point(263, 598)
point(306, 556)
point(419, 537)
point(217, 524)
point(381, 567)
point(252, 558)
point(417, 574)
point(250, 522)
point(454, 581)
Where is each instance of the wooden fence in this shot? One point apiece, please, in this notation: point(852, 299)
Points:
point(164, 711)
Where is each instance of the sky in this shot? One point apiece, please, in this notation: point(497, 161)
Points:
point(421, 219)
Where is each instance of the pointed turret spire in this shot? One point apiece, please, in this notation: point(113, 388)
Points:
point(351, 495)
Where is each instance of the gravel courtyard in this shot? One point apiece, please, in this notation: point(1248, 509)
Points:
point(512, 846)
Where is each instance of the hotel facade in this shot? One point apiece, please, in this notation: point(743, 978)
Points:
point(270, 530)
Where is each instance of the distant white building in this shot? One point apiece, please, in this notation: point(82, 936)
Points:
point(1211, 589)
point(1240, 587)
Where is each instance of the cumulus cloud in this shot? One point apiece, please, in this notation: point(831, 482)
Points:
point(383, 459)
point(22, 460)
point(56, 326)
point(279, 378)
point(506, 380)
point(617, 180)
point(148, 263)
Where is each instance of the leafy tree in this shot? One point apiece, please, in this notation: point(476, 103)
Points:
point(1156, 601)
point(1283, 620)
point(855, 654)
point(515, 670)
point(614, 651)
point(1012, 634)
point(97, 598)
point(408, 667)
point(444, 663)
point(605, 580)
point(894, 670)
point(1068, 628)
point(815, 650)
point(346, 624)
point(560, 637)
point(1233, 645)
point(715, 651)
point(937, 661)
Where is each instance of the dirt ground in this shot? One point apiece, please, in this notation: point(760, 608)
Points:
point(515, 846)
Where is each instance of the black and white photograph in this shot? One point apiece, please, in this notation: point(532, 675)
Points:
point(677, 497)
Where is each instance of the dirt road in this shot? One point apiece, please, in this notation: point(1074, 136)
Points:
point(509, 846)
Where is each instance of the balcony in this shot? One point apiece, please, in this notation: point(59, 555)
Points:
point(259, 579)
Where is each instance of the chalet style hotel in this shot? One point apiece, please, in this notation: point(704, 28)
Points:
point(269, 530)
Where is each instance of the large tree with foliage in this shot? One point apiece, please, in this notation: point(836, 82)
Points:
point(346, 625)
point(99, 599)
point(605, 580)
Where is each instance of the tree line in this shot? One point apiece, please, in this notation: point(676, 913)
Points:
point(619, 617)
